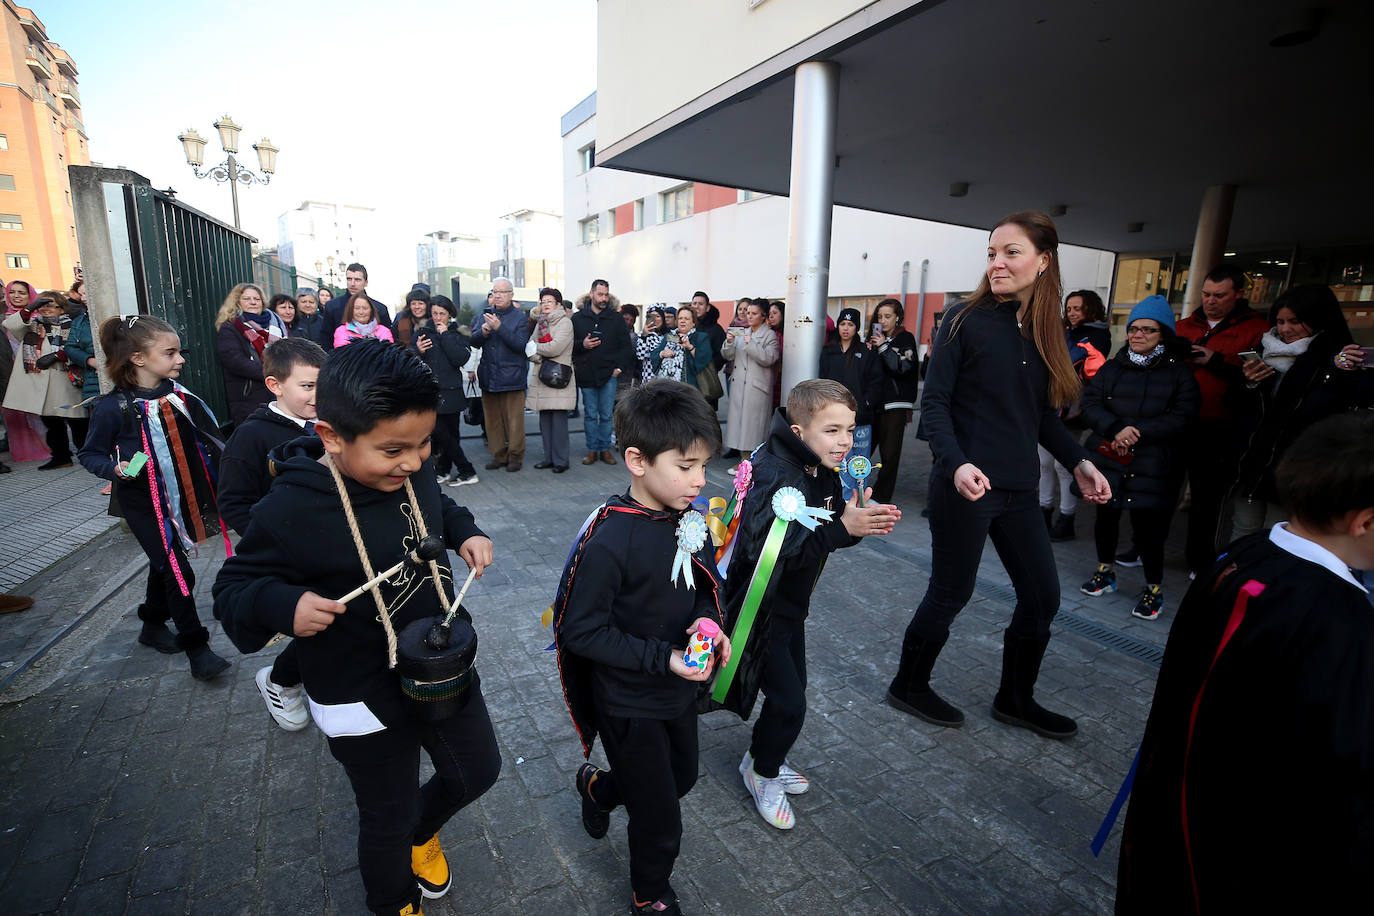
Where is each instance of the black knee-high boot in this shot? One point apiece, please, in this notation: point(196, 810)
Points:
point(910, 689)
point(1014, 703)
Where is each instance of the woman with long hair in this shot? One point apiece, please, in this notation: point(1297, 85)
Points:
point(245, 327)
point(650, 342)
point(895, 348)
point(998, 376)
point(776, 313)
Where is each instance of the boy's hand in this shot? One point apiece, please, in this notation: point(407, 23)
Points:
point(720, 647)
point(477, 552)
point(874, 518)
point(314, 614)
point(679, 667)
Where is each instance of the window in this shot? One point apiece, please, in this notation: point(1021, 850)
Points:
point(590, 229)
point(639, 214)
point(751, 195)
point(17, 261)
point(610, 224)
point(677, 203)
point(11, 221)
point(586, 158)
point(4, 142)
point(6, 182)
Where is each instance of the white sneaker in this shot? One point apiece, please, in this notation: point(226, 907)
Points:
point(286, 704)
point(770, 799)
point(462, 481)
point(793, 783)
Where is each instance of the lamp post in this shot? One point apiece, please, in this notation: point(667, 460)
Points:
point(229, 170)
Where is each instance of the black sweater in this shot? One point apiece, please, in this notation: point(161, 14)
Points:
point(901, 372)
point(298, 541)
point(616, 351)
point(243, 475)
point(620, 617)
point(860, 371)
point(986, 399)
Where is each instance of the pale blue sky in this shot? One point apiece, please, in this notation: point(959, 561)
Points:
point(442, 115)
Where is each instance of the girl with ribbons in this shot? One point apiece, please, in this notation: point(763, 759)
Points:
point(156, 441)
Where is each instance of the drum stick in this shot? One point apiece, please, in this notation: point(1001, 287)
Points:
point(431, 548)
point(472, 574)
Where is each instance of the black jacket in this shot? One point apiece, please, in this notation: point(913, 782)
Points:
point(901, 372)
point(986, 399)
point(310, 327)
point(860, 371)
point(593, 368)
point(504, 366)
point(446, 360)
point(243, 377)
point(1300, 798)
point(298, 541)
point(243, 474)
point(709, 324)
point(784, 460)
point(1160, 400)
point(617, 618)
point(334, 316)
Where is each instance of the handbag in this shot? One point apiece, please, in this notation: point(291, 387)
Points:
point(554, 375)
point(708, 383)
point(1104, 448)
point(474, 415)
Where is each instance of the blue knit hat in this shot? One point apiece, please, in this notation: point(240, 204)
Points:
point(1156, 308)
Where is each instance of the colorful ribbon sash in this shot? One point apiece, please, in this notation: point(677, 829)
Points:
point(788, 506)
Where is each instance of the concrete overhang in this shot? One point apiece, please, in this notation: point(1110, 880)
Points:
point(1123, 112)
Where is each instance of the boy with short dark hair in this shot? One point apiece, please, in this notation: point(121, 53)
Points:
point(639, 583)
point(291, 366)
point(355, 497)
point(1260, 743)
point(809, 440)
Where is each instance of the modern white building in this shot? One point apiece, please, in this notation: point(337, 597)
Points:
point(530, 250)
point(322, 238)
point(660, 239)
point(451, 249)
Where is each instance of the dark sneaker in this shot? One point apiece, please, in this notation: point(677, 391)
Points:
point(595, 820)
point(54, 464)
point(1148, 605)
point(1129, 558)
point(666, 905)
point(1104, 580)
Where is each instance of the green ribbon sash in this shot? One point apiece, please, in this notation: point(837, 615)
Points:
point(758, 585)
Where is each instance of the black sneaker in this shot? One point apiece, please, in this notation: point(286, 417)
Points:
point(1103, 581)
point(1129, 558)
point(54, 464)
point(667, 905)
point(1149, 604)
point(595, 820)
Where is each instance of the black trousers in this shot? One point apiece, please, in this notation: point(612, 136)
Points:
point(1212, 463)
point(958, 530)
point(783, 683)
point(56, 434)
point(653, 764)
point(394, 813)
point(163, 599)
point(889, 431)
point(1150, 528)
point(286, 669)
point(450, 452)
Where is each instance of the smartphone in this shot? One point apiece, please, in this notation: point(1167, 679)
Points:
point(136, 464)
point(596, 334)
point(1247, 356)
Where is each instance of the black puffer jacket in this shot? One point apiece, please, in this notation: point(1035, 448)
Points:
point(901, 372)
point(1159, 399)
point(446, 360)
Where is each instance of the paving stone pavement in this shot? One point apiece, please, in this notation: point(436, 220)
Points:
point(128, 787)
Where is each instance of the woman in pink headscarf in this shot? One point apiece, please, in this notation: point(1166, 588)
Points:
point(25, 430)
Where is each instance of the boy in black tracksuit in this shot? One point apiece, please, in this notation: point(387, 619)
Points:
point(621, 627)
point(808, 440)
point(377, 403)
point(292, 367)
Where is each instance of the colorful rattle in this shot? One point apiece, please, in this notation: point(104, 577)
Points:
point(859, 467)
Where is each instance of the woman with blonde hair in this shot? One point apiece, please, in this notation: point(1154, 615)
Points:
point(245, 327)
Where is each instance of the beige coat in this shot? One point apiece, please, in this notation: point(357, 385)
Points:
point(41, 393)
point(539, 396)
point(751, 387)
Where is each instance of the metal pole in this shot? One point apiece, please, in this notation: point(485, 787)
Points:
point(814, 106)
point(1209, 244)
point(234, 187)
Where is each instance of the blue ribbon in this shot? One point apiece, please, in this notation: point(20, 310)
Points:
point(1114, 811)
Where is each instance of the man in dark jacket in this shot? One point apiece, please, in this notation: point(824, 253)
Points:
point(601, 351)
point(708, 322)
point(501, 332)
point(356, 277)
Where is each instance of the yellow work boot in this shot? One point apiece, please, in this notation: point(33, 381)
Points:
point(431, 868)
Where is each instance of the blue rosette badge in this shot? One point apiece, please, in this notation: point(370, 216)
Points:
point(691, 537)
point(790, 505)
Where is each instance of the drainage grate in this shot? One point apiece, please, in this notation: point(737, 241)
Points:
point(1108, 637)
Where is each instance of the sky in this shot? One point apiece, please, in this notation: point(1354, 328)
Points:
point(441, 115)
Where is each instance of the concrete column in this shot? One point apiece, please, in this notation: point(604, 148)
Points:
point(812, 196)
point(1209, 244)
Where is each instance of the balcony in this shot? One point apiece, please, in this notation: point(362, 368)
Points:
point(74, 123)
point(31, 23)
point(38, 62)
point(66, 91)
point(48, 97)
point(64, 61)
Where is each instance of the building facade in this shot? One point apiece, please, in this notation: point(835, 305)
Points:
point(661, 239)
point(322, 238)
point(454, 264)
point(41, 133)
point(531, 250)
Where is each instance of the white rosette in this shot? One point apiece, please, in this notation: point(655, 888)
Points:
point(790, 505)
point(691, 537)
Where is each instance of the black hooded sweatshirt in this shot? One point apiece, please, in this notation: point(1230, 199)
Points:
point(243, 475)
point(298, 541)
point(783, 461)
point(709, 324)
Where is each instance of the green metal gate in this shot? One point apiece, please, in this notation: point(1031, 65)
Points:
point(185, 263)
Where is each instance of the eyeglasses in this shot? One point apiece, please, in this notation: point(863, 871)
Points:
point(1145, 331)
point(503, 292)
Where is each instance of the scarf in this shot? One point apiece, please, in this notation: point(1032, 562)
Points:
point(253, 331)
point(368, 329)
point(1279, 355)
point(1146, 359)
point(44, 333)
point(671, 366)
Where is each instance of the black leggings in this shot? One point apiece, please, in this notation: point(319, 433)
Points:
point(889, 430)
point(163, 599)
point(783, 683)
point(1149, 527)
point(450, 451)
point(958, 530)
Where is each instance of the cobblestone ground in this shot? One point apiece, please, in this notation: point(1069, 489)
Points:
point(130, 788)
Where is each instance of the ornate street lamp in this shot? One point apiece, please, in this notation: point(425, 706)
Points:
point(229, 170)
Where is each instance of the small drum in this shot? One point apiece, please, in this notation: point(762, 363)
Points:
point(436, 681)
